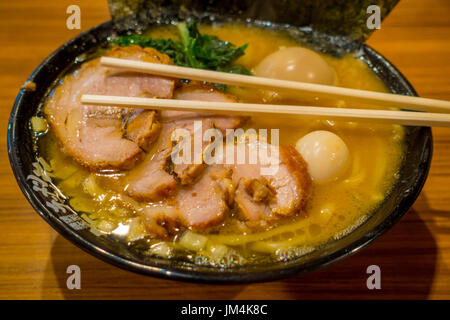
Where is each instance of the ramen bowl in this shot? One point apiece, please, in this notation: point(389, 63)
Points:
point(57, 212)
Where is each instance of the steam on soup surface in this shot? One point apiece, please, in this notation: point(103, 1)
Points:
point(213, 213)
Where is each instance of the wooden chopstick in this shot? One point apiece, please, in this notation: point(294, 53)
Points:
point(360, 96)
point(382, 116)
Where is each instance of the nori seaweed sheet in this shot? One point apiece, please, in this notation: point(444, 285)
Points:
point(343, 18)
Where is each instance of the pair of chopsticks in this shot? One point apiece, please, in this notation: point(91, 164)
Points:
point(435, 112)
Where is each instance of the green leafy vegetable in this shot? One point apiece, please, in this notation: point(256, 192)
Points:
point(194, 49)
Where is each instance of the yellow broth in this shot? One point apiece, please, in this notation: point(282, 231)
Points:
point(334, 209)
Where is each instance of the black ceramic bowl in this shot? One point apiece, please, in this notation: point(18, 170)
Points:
point(62, 218)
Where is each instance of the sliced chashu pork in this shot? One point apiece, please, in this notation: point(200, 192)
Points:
point(141, 127)
point(187, 173)
point(203, 92)
point(259, 196)
point(188, 167)
point(266, 195)
point(151, 181)
point(96, 136)
point(198, 206)
point(158, 172)
point(200, 200)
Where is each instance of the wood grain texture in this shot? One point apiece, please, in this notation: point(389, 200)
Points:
point(414, 255)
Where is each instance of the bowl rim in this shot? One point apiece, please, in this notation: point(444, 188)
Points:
point(198, 275)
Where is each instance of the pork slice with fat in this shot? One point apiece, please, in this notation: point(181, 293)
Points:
point(187, 172)
point(94, 135)
point(262, 197)
point(196, 207)
point(203, 92)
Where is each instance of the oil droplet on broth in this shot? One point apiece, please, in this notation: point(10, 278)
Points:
point(314, 230)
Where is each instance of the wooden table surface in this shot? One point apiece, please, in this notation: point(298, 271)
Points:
point(414, 256)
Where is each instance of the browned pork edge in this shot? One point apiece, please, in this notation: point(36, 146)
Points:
point(197, 206)
point(299, 169)
point(284, 193)
point(206, 202)
point(94, 135)
point(195, 90)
